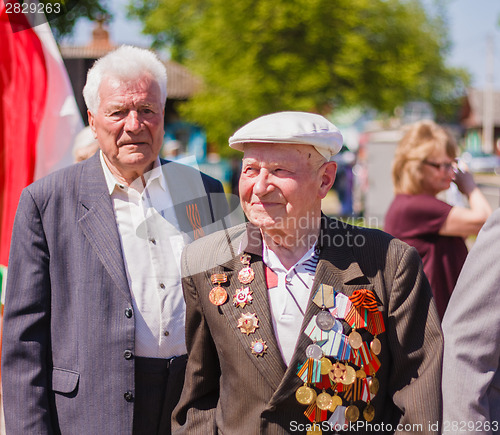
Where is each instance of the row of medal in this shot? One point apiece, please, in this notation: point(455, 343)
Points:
point(248, 322)
point(341, 369)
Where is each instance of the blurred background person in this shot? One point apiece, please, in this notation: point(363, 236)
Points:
point(85, 145)
point(425, 165)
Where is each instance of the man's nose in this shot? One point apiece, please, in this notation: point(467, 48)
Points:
point(132, 122)
point(262, 184)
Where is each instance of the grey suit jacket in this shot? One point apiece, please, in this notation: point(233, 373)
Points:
point(471, 327)
point(230, 390)
point(67, 316)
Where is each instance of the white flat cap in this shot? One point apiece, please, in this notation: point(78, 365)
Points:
point(293, 128)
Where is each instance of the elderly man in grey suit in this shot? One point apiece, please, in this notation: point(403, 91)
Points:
point(299, 323)
point(471, 328)
point(93, 338)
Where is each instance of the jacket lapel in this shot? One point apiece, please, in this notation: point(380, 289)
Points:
point(98, 222)
point(271, 364)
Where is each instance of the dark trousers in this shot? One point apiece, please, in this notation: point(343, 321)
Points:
point(158, 387)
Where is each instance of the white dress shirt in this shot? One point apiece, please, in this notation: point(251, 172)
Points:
point(152, 248)
point(289, 299)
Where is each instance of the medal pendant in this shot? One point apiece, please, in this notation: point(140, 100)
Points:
point(375, 346)
point(352, 413)
point(314, 351)
point(248, 323)
point(326, 366)
point(258, 347)
point(242, 297)
point(337, 373)
point(355, 340)
point(323, 401)
point(246, 275)
point(373, 385)
point(349, 376)
point(217, 295)
point(305, 395)
point(369, 412)
point(325, 320)
point(314, 430)
point(337, 326)
point(360, 374)
point(336, 401)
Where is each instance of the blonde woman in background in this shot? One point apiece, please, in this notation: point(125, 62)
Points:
point(425, 165)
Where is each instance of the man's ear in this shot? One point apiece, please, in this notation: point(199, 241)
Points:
point(328, 173)
point(91, 119)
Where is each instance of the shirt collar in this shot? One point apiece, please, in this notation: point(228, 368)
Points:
point(155, 174)
point(271, 259)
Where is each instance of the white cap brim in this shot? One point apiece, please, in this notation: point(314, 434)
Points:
point(291, 128)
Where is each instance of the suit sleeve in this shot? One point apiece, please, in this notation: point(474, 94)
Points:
point(26, 330)
point(416, 345)
point(471, 328)
point(195, 412)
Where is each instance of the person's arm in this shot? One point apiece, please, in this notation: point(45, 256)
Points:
point(463, 221)
point(471, 328)
point(195, 412)
point(416, 345)
point(26, 330)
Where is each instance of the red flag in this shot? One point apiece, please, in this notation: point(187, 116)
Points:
point(38, 113)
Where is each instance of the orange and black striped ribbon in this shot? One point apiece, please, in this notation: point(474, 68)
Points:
point(195, 220)
point(364, 299)
point(354, 391)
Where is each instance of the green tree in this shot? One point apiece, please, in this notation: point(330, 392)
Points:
point(260, 56)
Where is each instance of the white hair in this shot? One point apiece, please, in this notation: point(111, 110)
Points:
point(124, 63)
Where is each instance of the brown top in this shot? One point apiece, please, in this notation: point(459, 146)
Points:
point(417, 219)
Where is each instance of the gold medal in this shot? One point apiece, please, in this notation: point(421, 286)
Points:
point(314, 430)
point(352, 413)
point(218, 295)
point(242, 297)
point(336, 401)
point(305, 395)
point(355, 339)
point(373, 385)
point(248, 323)
point(349, 376)
point(337, 372)
point(323, 401)
point(258, 347)
point(326, 365)
point(375, 346)
point(360, 374)
point(369, 412)
point(246, 275)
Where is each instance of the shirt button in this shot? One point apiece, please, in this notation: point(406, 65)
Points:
point(162, 286)
point(129, 397)
point(128, 354)
point(128, 312)
point(152, 240)
point(166, 333)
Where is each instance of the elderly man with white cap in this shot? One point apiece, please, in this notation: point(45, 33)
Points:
point(297, 322)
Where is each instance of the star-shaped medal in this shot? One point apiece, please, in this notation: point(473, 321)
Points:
point(248, 323)
point(242, 297)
